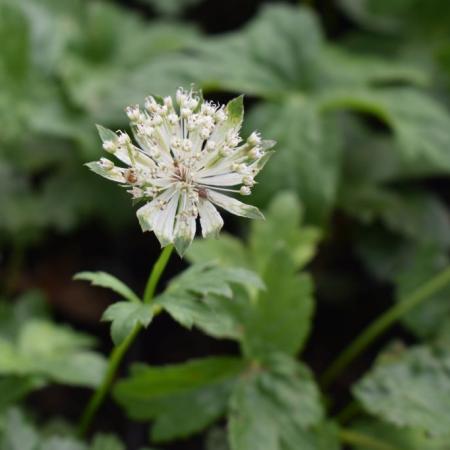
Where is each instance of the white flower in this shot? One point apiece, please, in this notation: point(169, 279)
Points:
point(189, 152)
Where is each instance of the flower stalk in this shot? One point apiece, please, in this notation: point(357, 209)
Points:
point(119, 351)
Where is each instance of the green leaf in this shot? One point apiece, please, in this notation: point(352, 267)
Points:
point(275, 407)
point(207, 278)
point(398, 437)
point(308, 158)
point(17, 433)
point(410, 389)
point(420, 124)
point(61, 443)
point(281, 318)
point(106, 442)
point(125, 316)
point(429, 319)
point(108, 281)
point(415, 214)
point(118, 53)
point(182, 399)
point(427, 19)
point(52, 352)
point(13, 389)
point(250, 52)
point(227, 251)
point(30, 305)
point(170, 7)
point(281, 230)
point(203, 296)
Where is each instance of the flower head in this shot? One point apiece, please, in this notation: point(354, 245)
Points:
point(189, 154)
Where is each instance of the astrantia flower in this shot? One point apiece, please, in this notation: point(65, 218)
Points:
point(189, 154)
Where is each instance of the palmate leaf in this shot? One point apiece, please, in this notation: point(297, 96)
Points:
point(277, 407)
point(182, 399)
point(410, 389)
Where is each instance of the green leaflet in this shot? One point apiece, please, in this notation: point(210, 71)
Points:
point(282, 230)
point(108, 281)
point(410, 388)
point(400, 16)
point(120, 59)
point(52, 352)
point(398, 437)
point(259, 403)
point(14, 388)
point(125, 316)
point(280, 319)
point(204, 296)
point(414, 214)
point(430, 319)
point(182, 399)
point(308, 158)
point(171, 8)
point(18, 433)
point(420, 125)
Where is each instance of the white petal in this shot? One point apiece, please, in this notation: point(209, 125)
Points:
point(148, 213)
point(185, 225)
point(234, 206)
point(210, 219)
point(164, 224)
point(184, 234)
point(225, 179)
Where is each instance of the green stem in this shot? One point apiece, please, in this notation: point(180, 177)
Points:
point(117, 354)
point(382, 323)
point(155, 275)
point(362, 440)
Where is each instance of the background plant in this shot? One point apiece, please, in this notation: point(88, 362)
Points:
point(356, 94)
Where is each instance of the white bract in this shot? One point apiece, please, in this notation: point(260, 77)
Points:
point(189, 154)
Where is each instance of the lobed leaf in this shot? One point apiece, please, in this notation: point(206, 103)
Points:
point(260, 402)
point(181, 399)
point(410, 389)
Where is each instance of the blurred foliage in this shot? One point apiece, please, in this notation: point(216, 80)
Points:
point(363, 131)
point(34, 348)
